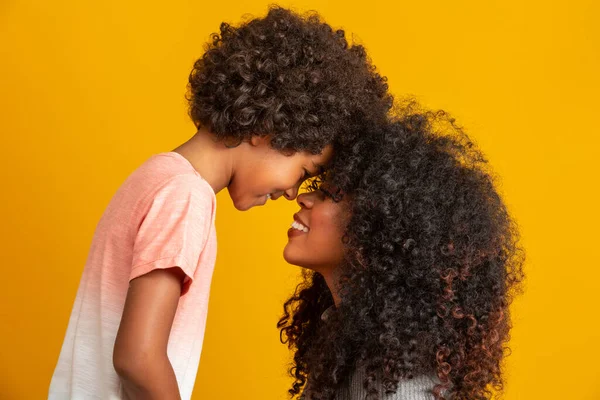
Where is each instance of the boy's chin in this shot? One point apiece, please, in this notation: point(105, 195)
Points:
point(246, 203)
point(242, 204)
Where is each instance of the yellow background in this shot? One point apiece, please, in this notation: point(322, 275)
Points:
point(90, 89)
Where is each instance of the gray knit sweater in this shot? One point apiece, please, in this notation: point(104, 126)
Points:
point(418, 388)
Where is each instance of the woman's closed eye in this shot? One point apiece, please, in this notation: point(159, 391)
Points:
point(331, 192)
point(324, 192)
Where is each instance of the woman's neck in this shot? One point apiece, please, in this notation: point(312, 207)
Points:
point(332, 279)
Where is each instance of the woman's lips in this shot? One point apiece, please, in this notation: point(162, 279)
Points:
point(297, 219)
point(298, 227)
point(293, 232)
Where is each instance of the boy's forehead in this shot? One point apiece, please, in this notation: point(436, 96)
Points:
point(324, 157)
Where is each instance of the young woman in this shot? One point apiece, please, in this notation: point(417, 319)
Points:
point(411, 261)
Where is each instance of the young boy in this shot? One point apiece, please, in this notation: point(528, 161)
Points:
point(271, 99)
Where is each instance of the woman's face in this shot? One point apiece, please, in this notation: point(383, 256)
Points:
point(315, 238)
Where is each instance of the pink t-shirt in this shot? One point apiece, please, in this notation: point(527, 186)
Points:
point(161, 217)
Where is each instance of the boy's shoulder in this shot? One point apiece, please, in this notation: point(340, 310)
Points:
point(166, 165)
point(165, 174)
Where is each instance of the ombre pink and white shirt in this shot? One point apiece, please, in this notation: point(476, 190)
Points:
point(162, 216)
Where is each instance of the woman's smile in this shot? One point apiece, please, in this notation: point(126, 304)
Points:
point(298, 227)
point(315, 237)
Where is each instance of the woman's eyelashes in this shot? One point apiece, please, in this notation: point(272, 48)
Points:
point(333, 193)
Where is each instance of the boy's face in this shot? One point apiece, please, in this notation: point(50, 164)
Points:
point(262, 172)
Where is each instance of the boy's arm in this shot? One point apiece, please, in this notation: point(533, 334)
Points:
point(140, 353)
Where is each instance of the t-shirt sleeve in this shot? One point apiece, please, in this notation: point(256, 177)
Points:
point(174, 228)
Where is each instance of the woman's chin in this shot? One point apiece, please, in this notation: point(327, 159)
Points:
point(291, 256)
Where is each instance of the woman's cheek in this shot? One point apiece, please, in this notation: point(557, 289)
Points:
point(324, 225)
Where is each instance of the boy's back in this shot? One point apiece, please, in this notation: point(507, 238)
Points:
point(162, 216)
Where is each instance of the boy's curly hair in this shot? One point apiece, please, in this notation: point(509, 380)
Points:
point(287, 75)
point(432, 261)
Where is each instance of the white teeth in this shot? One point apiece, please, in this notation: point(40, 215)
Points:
point(299, 226)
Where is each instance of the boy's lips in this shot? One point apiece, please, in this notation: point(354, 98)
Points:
point(266, 197)
point(276, 195)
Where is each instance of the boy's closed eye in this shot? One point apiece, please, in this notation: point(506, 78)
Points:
point(307, 175)
point(318, 170)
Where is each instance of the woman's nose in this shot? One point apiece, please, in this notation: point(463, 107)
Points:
point(306, 200)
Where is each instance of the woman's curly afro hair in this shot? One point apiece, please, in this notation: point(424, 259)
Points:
point(285, 75)
point(432, 261)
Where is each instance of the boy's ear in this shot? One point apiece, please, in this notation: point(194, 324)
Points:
point(257, 140)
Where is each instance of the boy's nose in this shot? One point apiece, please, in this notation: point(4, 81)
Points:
point(291, 193)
